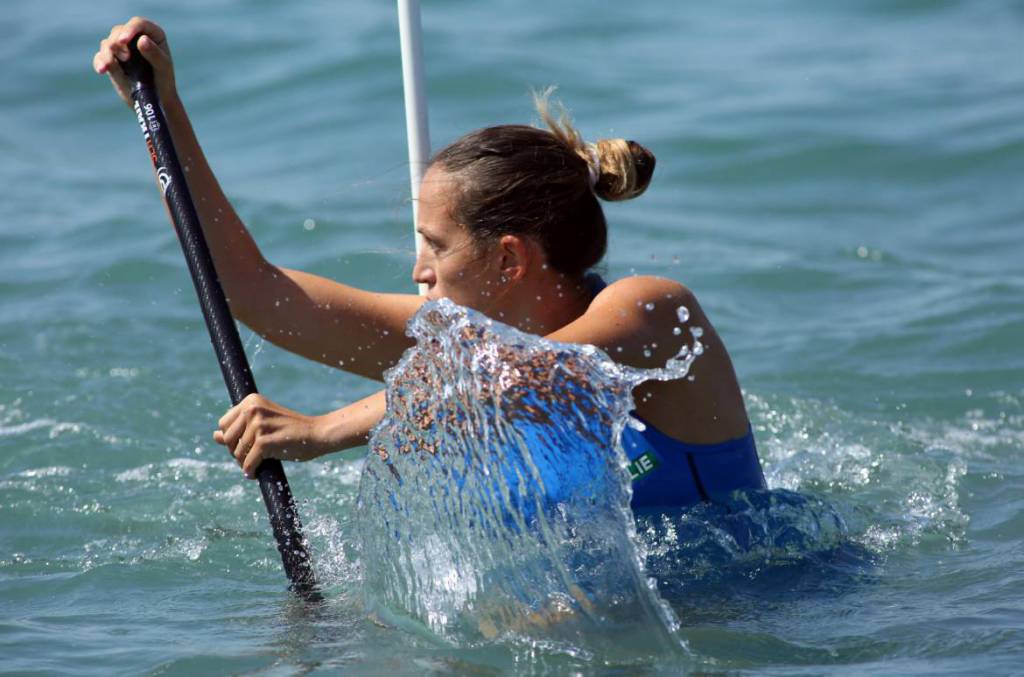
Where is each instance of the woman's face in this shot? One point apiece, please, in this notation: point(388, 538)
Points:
point(450, 263)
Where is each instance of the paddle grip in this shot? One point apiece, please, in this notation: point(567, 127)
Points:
point(234, 366)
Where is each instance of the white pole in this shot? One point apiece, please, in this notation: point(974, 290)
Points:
point(416, 126)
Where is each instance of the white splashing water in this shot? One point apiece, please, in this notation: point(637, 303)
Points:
point(496, 506)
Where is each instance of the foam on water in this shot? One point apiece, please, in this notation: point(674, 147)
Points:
point(905, 482)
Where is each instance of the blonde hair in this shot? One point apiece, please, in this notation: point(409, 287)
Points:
point(621, 169)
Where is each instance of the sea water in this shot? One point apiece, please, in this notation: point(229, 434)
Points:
point(838, 184)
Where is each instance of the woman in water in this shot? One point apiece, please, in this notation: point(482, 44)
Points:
point(510, 224)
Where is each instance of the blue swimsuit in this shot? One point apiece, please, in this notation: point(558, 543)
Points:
point(670, 473)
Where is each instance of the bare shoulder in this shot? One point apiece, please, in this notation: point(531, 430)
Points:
point(634, 320)
point(642, 316)
point(639, 291)
point(645, 303)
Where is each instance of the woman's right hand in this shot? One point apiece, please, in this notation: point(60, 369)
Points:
point(153, 47)
point(256, 428)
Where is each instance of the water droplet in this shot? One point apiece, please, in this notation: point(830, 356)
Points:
point(862, 252)
point(647, 352)
point(309, 224)
point(683, 313)
point(696, 332)
point(677, 331)
point(649, 307)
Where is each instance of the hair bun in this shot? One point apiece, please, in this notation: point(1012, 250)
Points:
point(617, 169)
point(626, 168)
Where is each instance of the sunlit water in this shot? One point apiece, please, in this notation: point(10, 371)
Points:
point(839, 185)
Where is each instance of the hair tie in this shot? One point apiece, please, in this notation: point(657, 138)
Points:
point(594, 165)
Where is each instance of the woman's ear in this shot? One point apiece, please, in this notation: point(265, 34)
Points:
point(517, 255)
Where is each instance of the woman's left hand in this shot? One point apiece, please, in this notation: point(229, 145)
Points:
point(257, 428)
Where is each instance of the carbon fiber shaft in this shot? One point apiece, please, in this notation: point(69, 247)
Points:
point(234, 366)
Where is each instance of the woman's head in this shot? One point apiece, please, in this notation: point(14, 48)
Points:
point(538, 184)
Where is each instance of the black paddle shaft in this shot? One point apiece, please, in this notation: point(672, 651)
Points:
point(284, 518)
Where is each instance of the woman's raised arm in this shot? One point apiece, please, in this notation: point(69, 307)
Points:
point(344, 327)
point(332, 323)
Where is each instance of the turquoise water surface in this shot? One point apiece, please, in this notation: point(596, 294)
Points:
point(839, 184)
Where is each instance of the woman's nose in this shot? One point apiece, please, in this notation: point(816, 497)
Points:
point(423, 273)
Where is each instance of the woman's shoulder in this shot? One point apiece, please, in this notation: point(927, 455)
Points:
point(642, 295)
point(635, 319)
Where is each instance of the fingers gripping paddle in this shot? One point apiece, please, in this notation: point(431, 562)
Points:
point(277, 495)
